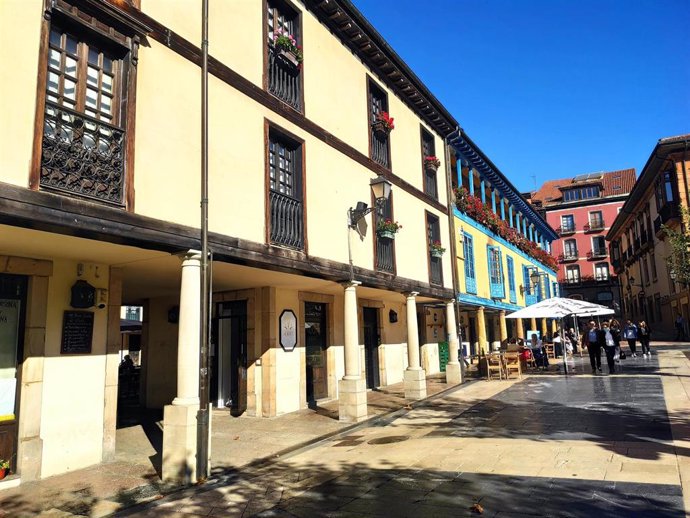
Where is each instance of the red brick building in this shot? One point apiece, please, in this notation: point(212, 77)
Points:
point(582, 209)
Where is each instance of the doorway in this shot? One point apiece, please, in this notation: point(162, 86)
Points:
point(12, 317)
point(371, 346)
point(316, 342)
point(229, 369)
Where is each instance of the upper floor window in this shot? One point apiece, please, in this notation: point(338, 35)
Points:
point(570, 249)
point(511, 279)
point(581, 193)
point(379, 150)
point(601, 271)
point(286, 206)
point(433, 235)
point(430, 164)
point(496, 284)
point(652, 262)
point(284, 49)
point(567, 223)
point(83, 145)
point(572, 274)
point(599, 245)
point(468, 252)
point(596, 220)
point(663, 189)
point(385, 247)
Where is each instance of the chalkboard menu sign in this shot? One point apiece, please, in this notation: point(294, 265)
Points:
point(77, 331)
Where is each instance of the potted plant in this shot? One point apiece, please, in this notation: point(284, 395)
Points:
point(4, 468)
point(286, 45)
point(383, 124)
point(436, 249)
point(387, 228)
point(431, 163)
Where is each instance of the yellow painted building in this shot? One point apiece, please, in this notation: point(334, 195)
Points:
point(502, 246)
point(99, 208)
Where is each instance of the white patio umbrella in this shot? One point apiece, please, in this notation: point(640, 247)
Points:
point(559, 307)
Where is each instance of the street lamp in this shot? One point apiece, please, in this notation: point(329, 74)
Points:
point(381, 189)
point(534, 277)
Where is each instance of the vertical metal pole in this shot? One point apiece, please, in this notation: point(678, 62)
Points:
point(203, 416)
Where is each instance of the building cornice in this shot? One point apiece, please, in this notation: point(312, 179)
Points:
point(584, 203)
point(356, 33)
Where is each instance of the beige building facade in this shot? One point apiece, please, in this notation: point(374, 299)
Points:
point(639, 247)
point(99, 208)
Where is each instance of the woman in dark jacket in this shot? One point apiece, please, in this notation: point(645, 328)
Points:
point(644, 333)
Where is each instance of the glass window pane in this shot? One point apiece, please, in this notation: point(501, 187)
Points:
point(55, 37)
point(92, 76)
point(93, 56)
point(107, 83)
point(71, 44)
point(54, 59)
point(106, 106)
point(70, 89)
point(53, 82)
point(107, 64)
point(71, 66)
point(91, 98)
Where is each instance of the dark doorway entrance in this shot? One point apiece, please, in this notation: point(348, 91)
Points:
point(12, 316)
point(229, 369)
point(316, 342)
point(473, 335)
point(371, 346)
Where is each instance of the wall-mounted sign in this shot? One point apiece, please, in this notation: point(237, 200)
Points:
point(288, 330)
point(77, 331)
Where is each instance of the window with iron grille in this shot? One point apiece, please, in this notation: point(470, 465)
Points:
point(285, 191)
point(284, 74)
point(433, 235)
point(83, 145)
point(572, 274)
point(385, 247)
point(511, 279)
point(468, 252)
point(379, 142)
point(429, 169)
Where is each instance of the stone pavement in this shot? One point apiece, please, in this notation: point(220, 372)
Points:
point(548, 446)
point(133, 476)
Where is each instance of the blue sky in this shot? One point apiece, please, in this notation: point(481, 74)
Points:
point(550, 88)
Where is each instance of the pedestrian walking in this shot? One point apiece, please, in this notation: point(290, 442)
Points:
point(630, 334)
point(644, 333)
point(592, 339)
point(611, 339)
point(680, 328)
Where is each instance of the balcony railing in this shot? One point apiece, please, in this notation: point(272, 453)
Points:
point(597, 253)
point(669, 211)
point(594, 225)
point(436, 270)
point(287, 223)
point(530, 298)
point(573, 280)
point(601, 278)
point(497, 290)
point(284, 79)
point(566, 229)
point(379, 148)
point(384, 254)
point(82, 155)
point(568, 256)
point(470, 285)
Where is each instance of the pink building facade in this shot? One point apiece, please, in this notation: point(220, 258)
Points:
point(582, 210)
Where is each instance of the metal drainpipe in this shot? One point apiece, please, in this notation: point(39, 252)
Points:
point(454, 256)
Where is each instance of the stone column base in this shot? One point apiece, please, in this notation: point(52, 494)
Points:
point(352, 400)
point(179, 443)
point(453, 373)
point(415, 384)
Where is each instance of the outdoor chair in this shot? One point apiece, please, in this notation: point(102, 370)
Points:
point(494, 363)
point(550, 351)
point(512, 364)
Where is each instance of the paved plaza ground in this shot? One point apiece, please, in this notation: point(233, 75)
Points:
point(545, 446)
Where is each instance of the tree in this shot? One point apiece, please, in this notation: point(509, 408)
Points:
point(679, 242)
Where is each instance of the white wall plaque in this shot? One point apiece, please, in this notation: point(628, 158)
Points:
point(288, 330)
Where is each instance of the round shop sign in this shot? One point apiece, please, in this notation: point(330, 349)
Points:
point(288, 330)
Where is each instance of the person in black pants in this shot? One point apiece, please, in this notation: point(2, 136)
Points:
point(593, 340)
point(644, 333)
point(612, 341)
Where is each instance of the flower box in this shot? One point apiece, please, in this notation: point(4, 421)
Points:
point(380, 128)
point(386, 234)
point(436, 253)
point(288, 56)
point(431, 163)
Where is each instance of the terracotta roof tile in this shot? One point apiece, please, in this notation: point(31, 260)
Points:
point(615, 183)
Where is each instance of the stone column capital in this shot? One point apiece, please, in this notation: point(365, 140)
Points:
point(480, 308)
point(350, 284)
point(450, 302)
point(411, 294)
point(502, 312)
point(190, 255)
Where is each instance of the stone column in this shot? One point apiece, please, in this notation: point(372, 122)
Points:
point(414, 377)
point(502, 326)
point(533, 324)
point(352, 389)
point(544, 328)
point(553, 326)
point(453, 370)
point(520, 329)
point(179, 418)
point(481, 329)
